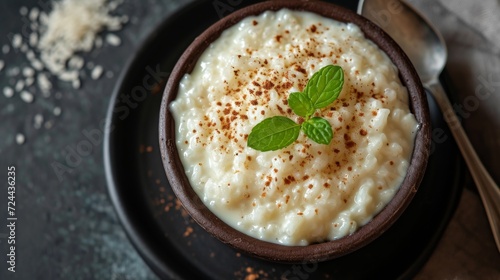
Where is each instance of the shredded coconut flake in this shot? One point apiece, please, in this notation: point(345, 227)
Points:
point(29, 81)
point(23, 11)
point(8, 92)
point(27, 96)
point(75, 84)
point(34, 14)
point(33, 39)
point(37, 64)
point(37, 121)
point(76, 62)
point(72, 26)
point(19, 85)
point(44, 82)
point(52, 39)
point(20, 139)
point(57, 111)
point(113, 40)
point(5, 49)
point(17, 40)
point(13, 72)
point(96, 72)
point(24, 48)
point(28, 72)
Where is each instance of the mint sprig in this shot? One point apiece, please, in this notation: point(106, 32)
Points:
point(321, 90)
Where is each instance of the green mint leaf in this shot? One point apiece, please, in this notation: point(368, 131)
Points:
point(273, 133)
point(300, 104)
point(318, 129)
point(325, 86)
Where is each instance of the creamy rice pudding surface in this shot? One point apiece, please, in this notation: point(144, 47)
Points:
point(306, 192)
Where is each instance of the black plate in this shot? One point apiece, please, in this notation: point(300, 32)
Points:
point(175, 247)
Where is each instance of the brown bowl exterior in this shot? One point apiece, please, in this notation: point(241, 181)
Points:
point(314, 252)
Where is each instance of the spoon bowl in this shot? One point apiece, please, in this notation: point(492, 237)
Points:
point(422, 43)
point(427, 50)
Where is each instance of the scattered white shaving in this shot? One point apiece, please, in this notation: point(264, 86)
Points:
point(30, 55)
point(28, 72)
point(19, 85)
point(44, 82)
point(125, 18)
point(75, 84)
point(38, 121)
point(113, 5)
point(34, 14)
point(17, 40)
point(68, 76)
point(96, 72)
point(34, 25)
point(29, 81)
point(56, 35)
point(57, 111)
point(20, 139)
point(37, 64)
point(26, 96)
point(33, 39)
point(5, 49)
point(23, 11)
point(113, 40)
point(50, 41)
point(13, 72)
point(72, 27)
point(8, 92)
point(42, 20)
point(76, 62)
point(24, 48)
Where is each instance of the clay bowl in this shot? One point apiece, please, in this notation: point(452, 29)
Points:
point(319, 251)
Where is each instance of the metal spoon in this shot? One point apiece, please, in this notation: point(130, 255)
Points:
point(427, 50)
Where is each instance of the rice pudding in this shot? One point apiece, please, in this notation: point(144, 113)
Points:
point(307, 192)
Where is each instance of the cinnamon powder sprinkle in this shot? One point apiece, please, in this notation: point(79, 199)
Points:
point(188, 231)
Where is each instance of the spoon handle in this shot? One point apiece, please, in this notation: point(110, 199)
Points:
point(488, 190)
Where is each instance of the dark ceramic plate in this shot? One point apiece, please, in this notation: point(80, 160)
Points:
point(175, 247)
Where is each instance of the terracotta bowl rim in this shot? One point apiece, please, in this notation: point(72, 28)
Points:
point(320, 251)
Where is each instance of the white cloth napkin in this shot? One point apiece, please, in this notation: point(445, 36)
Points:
point(482, 16)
